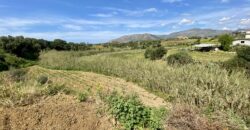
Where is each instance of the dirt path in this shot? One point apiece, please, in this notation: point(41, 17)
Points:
point(83, 80)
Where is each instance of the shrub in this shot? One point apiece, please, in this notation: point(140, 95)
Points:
point(42, 79)
point(155, 53)
point(244, 53)
point(2, 57)
point(82, 97)
point(226, 41)
point(55, 89)
point(236, 62)
point(133, 114)
point(180, 58)
point(242, 61)
point(18, 74)
point(3, 64)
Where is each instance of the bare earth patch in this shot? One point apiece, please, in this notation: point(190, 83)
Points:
point(83, 80)
point(60, 112)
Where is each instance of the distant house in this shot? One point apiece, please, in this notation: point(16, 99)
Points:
point(206, 47)
point(245, 41)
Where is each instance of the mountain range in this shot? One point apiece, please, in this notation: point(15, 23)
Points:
point(187, 33)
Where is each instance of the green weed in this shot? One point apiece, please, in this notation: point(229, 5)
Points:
point(133, 114)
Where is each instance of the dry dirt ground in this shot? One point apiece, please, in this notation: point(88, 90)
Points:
point(86, 80)
point(60, 112)
point(64, 112)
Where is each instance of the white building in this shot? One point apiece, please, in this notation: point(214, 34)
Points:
point(247, 35)
point(245, 41)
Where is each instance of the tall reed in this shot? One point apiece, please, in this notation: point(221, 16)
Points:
point(202, 85)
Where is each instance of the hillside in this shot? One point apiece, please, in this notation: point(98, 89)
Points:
point(136, 37)
point(63, 110)
point(189, 33)
point(197, 33)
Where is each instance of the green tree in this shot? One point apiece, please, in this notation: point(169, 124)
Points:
point(198, 41)
point(226, 41)
point(3, 64)
point(155, 53)
point(59, 44)
point(180, 58)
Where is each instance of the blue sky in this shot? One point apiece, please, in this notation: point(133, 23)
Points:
point(102, 20)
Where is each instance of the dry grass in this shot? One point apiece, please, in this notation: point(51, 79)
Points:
point(206, 86)
point(206, 57)
point(178, 42)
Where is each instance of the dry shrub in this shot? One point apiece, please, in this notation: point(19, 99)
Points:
point(18, 75)
point(184, 117)
point(187, 118)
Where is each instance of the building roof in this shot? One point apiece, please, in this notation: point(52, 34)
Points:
point(205, 45)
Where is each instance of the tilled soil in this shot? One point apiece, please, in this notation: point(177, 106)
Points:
point(60, 112)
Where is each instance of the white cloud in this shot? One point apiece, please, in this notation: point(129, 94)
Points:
point(105, 15)
point(72, 27)
point(186, 21)
point(225, 28)
point(245, 21)
point(151, 10)
point(16, 22)
point(127, 12)
point(224, 19)
point(171, 1)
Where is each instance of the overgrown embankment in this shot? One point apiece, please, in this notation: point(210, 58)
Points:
point(206, 86)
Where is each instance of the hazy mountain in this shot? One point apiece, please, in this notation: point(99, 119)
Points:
point(136, 37)
point(189, 33)
point(197, 33)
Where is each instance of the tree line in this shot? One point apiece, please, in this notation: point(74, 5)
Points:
point(29, 48)
point(134, 44)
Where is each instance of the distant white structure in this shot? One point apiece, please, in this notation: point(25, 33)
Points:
point(247, 35)
point(206, 47)
point(245, 41)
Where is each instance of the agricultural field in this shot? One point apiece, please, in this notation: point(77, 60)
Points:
point(124, 65)
point(107, 84)
point(203, 85)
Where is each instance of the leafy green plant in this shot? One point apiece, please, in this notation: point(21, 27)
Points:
point(55, 89)
point(241, 61)
point(3, 64)
point(180, 58)
point(244, 52)
point(226, 41)
point(133, 114)
point(82, 97)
